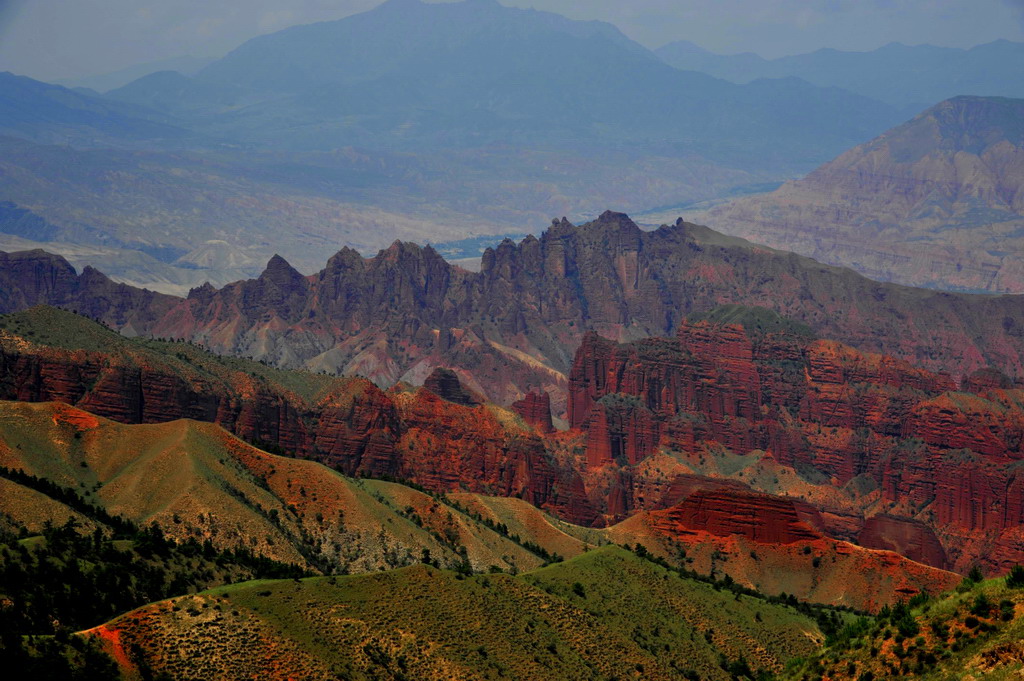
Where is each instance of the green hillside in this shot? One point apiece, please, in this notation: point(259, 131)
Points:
point(67, 579)
point(756, 321)
point(196, 481)
point(606, 614)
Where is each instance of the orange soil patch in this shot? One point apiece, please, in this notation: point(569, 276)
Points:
point(81, 420)
point(111, 642)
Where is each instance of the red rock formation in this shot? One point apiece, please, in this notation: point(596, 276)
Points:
point(683, 486)
point(535, 410)
point(964, 421)
point(815, 405)
point(910, 538)
point(725, 512)
point(760, 542)
point(896, 437)
point(446, 446)
point(621, 431)
point(984, 380)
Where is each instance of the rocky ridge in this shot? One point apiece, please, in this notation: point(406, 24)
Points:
point(513, 327)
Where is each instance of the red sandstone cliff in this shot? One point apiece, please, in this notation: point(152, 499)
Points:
point(758, 517)
point(766, 400)
point(535, 410)
point(910, 538)
point(901, 436)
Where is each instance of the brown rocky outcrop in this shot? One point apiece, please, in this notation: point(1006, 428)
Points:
point(445, 445)
point(445, 384)
point(987, 378)
point(760, 541)
point(347, 423)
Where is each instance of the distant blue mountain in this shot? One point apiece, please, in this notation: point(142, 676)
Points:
point(104, 82)
point(52, 114)
point(902, 75)
point(412, 75)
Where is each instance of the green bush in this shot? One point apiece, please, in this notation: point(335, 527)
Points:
point(982, 607)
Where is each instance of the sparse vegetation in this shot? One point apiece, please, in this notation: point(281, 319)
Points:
point(635, 619)
point(973, 630)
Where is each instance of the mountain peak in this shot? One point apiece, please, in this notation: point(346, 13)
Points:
point(611, 215)
point(280, 271)
point(277, 263)
point(892, 182)
point(399, 4)
point(399, 248)
point(969, 123)
point(346, 258)
point(614, 220)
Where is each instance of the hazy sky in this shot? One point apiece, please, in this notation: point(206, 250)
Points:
point(51, 39)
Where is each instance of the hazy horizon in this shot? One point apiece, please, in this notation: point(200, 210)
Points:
point(68, 39)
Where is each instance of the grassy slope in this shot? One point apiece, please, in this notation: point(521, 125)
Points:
point(421, 623)
point(530, 523)
point(993, 648)
point(686, 624)
point(485, 546)
point(194, 479)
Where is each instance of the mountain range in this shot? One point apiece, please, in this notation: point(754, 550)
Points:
point(51, 114)
point(513, 327)
point(754, 404)
point(361, 131)
point(682, 464)
point(104, 82)
point(408, 75)
point(596, 451)
point(409, 434)
point(915, 76)
point(937, 201)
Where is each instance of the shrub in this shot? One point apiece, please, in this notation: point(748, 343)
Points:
point(1015, 578)
point(908, 627)
point(981, 606)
